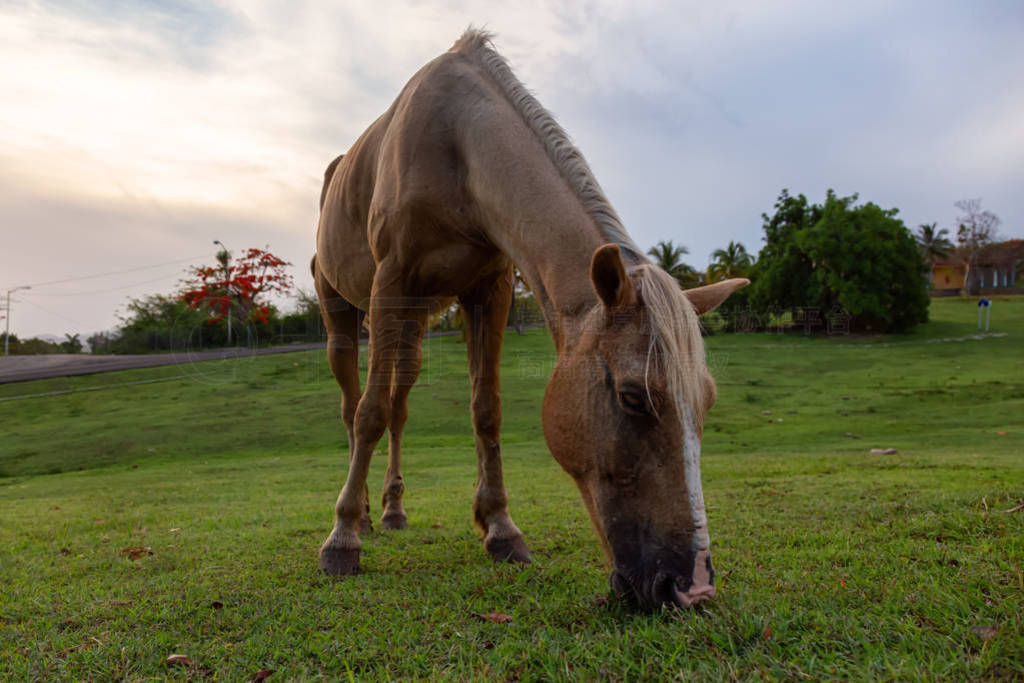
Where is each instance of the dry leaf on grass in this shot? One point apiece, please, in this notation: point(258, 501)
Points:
point(183, 660)
point(985, 632)
point(496, 617)
point(136, 553)
point(767, 632)
point(262, 675)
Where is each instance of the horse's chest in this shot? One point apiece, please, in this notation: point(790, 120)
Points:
point(451, 270)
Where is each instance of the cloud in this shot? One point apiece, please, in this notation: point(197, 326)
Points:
point(139, 132)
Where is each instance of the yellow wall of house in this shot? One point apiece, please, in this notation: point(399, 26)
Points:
point(948, 277)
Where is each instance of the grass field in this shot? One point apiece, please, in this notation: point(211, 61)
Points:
point(833, 563)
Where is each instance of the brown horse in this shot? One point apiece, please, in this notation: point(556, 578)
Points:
point(463, 176)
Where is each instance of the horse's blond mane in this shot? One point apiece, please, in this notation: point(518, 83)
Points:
point(676, 343)
point(569, 161)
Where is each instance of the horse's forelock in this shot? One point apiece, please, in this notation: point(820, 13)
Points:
point(675, 339)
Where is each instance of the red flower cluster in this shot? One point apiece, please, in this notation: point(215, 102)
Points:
point(238, 286)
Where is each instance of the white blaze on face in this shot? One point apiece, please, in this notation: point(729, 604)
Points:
point(691, 468)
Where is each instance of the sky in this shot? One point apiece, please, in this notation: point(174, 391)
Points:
point(133, 134)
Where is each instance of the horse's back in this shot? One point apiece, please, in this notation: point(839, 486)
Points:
point(399, 195)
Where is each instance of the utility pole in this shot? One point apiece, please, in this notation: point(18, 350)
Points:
point(227, 278)
point(7, 332)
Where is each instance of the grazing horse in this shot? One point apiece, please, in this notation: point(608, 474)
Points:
point(462, 177)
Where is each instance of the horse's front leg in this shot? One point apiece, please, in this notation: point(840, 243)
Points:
point(486, 312)
point(389, 321)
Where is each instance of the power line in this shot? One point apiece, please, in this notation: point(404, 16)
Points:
point(46, 310)
point(105, 291)
point(114, 272)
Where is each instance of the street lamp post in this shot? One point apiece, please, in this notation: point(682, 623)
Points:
point(7, 331)
point(227, 287)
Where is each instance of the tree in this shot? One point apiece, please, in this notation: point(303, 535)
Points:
point(858, 260)
point(782, 272)
point(71, 344)
point(237, 288)
point(668, 257)
point(932, 242)
point(976, 229)
point(733, 261)
point(304, 322)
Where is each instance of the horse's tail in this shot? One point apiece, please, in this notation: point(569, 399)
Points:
point(328, 174)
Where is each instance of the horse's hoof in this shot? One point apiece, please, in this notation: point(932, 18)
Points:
point(508, 549)
point(394, 520)
point(339, 561)
point(365, 526)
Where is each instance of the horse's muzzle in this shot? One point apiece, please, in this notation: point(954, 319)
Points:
point(665, 588)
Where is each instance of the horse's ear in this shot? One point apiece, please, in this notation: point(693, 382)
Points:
point(611, 282)
point(709, 297)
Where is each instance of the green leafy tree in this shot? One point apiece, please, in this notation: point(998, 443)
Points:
point(782, 272)
point(733, 261)
point(861, 260)
point(71, 344)
point(32, 347)
point(669, 258)
point(158, 322)
point(303, 323)
point(932, 242)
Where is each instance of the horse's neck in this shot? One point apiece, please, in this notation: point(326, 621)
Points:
point(556, 265)
point(540, 224)
point(530, 212)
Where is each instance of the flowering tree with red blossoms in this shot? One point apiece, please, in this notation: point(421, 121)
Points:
point(237, 287)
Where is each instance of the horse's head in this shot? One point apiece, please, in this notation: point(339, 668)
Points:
point(623, 414)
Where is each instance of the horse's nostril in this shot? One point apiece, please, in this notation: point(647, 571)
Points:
point(619, 584)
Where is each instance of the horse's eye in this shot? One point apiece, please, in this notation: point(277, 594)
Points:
point(633, 401)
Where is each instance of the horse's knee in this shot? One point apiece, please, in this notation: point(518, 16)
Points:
point(487, 419)
point(370, 421)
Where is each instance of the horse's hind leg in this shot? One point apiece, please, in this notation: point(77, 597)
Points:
point(342, 321)
point(486, 312)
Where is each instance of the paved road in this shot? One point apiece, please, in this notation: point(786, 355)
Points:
point(23, 368)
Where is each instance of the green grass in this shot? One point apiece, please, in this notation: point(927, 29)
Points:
point(833, 563)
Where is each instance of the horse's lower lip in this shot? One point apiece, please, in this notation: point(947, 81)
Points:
point(695, 596)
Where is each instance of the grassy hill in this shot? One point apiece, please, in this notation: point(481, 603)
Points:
point(832, 561)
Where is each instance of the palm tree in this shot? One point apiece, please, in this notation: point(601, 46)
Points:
point(934, 244)
point(733, 261)
point(668, 257)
